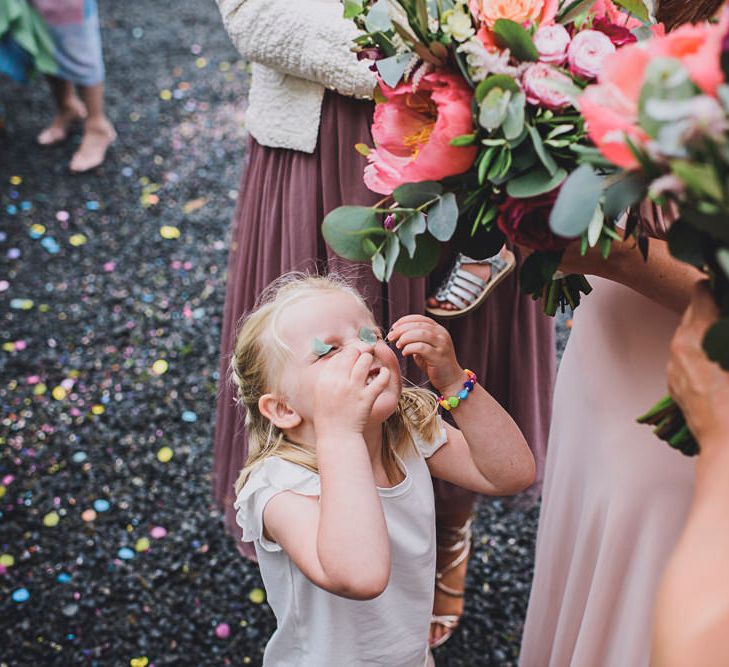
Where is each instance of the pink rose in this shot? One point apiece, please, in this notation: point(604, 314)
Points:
point(587, 52)
point(413, 131)
point(552, 42)
point(537, 81)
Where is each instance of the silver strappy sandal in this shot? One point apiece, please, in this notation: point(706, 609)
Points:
point(465, 290)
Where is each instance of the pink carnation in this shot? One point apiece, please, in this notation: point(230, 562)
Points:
point(587, 52)
point(552, 42)
point(413, 131)
point(538, 81)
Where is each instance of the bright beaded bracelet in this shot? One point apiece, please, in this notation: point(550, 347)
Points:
point(453, 402)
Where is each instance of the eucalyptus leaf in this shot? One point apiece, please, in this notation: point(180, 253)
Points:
point(544, 155)
point(534, 183)
point(378, 18)
point(623, 193)
point(379, 266)
point(392, 69)
point(714, 225)
point(412, 226)
point(423, 261)
point(412, 195)
point(494, 108)
point(576, 202)
point(503, 81)
point(510, 35)
point(513, 125)
point(392, 251)
point(538, 270)
point(594, 229)
point(346, 228)
point(443, 217)
point(722, 259)
point(716, 342)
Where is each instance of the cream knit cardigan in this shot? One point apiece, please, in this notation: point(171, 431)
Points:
point(297, 48)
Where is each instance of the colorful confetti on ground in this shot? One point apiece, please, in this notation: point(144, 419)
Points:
point(111, 292)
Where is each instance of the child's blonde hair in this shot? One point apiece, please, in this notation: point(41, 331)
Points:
point(258, 358)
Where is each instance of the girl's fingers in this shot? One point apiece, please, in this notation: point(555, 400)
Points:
point(379, 384)
point(411, 318)
point(415, 335)
point(425, 350)
point(361, 368)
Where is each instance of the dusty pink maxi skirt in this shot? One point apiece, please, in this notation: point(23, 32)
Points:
point(283, 198)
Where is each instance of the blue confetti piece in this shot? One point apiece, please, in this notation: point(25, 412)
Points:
point(92, 205)
point(101, 505)
point(26, 206)
point(189, 416)
point(79, 457)
point(51, 245)
point(11, 209)
point(63, 578)
point(21, 595)
point(125, 553)
point(3, 237)
point(147, 298)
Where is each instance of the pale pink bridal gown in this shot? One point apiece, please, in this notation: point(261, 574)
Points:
point(615, 498)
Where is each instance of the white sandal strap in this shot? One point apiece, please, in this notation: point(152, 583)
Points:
point(469, 281)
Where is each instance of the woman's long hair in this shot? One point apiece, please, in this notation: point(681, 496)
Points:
point(674, 13)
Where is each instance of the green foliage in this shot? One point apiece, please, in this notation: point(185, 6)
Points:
point(510, 35)
point(534, 183)
point(636, 7)
point(716, 342)
point(626, 191)
point(412, 195)
point(423, 261)
point(443, 217)
point(686, 243)
point(575, 206)
point(413, 225)
point(346, 228)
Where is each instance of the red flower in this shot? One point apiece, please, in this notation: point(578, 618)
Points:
point(526, 222)
point(618, 34)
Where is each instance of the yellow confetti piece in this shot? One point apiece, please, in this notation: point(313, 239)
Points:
point(40, 389)
point(7, 560)
point(37, 228)
point(194, 204)
point(51, 519)
point(134, 116)
point(77, 239)
point(59, 393)
point(201, 62)
point(160, 367)
point(165, 454)
point(165, 94)
point(224, 66)
point(142, 544)
point(98, 409)
point(44, 308)
point(74, 373)
point(3, 491)
point(257, 596)
point(169, 232)
point(9, 347)
point(141, 661)
point(16, 180)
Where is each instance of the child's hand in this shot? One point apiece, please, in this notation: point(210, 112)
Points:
point(343, 399)
point(431, 347)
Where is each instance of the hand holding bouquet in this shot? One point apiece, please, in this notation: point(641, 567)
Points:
point(476, 134)
point(660, 112)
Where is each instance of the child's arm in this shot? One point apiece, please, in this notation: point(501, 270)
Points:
point(340, 542)
point(489, 453)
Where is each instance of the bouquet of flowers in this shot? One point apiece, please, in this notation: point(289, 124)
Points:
point(476, 134)
point(660, 112)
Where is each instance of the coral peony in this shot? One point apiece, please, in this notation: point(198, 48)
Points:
point(552, 42)
point(537, 81)
point(526, 222)
point(413, 130)
point(587, 53)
